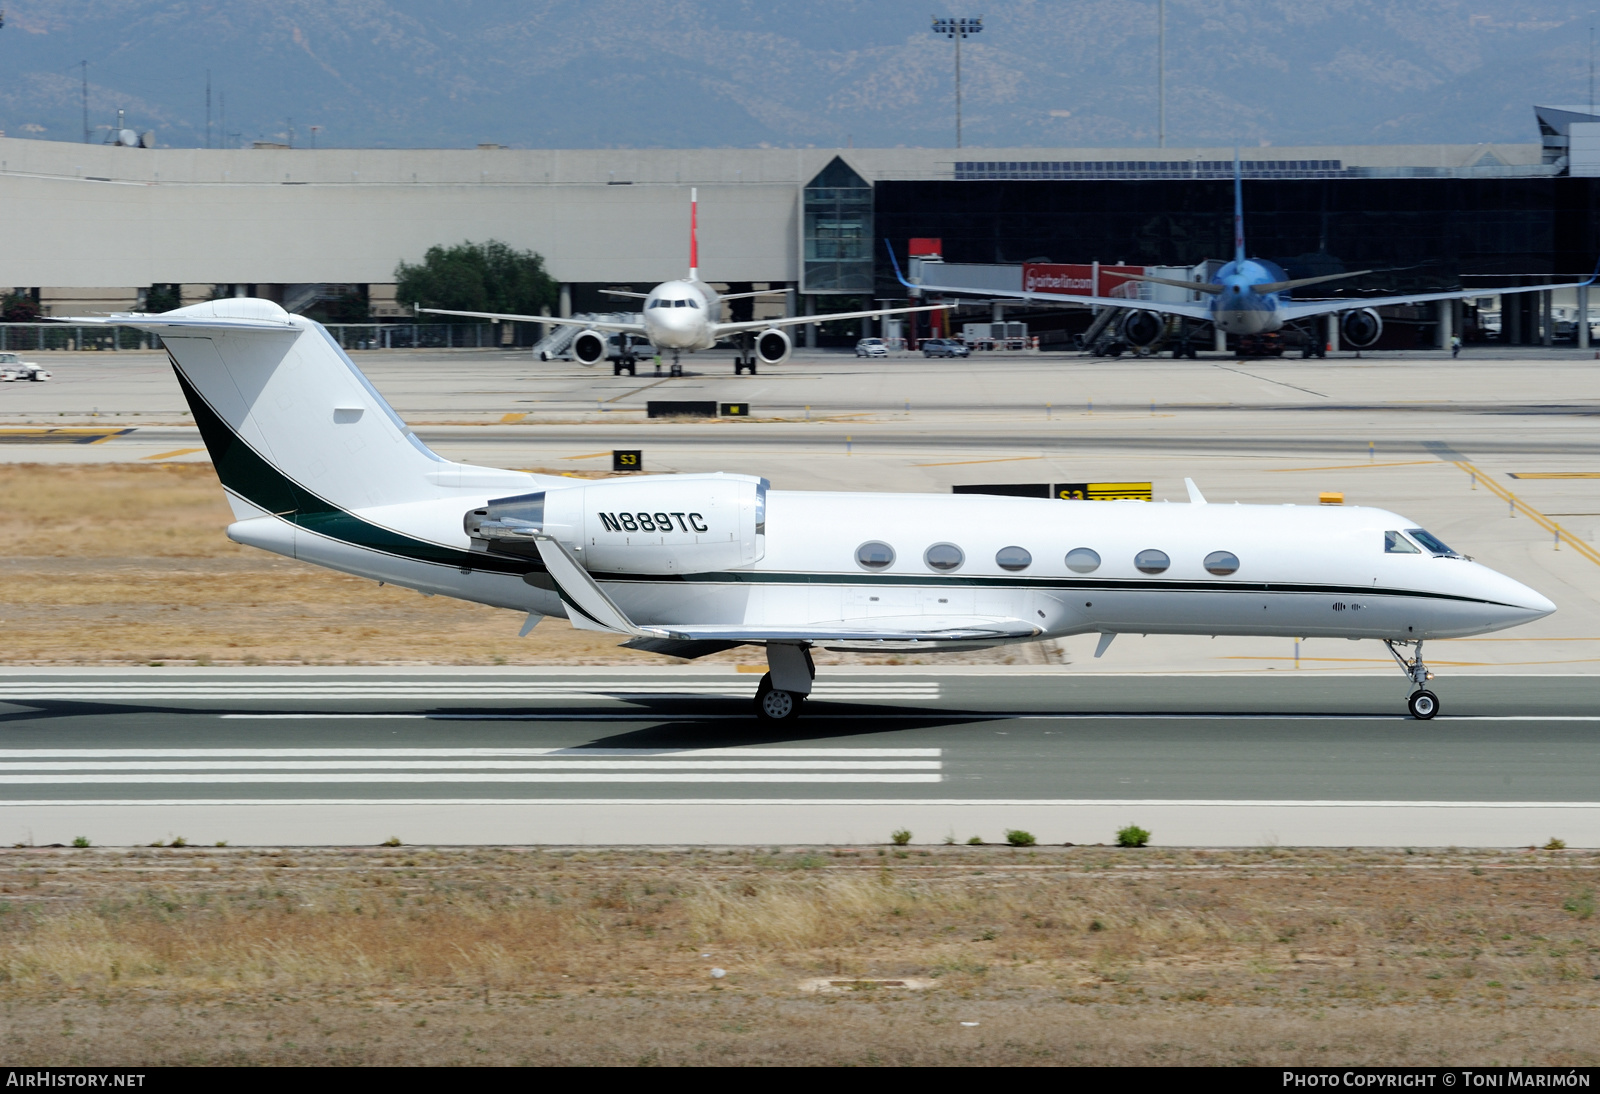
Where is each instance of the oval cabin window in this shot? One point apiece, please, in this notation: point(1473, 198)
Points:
point(1151, 561)
point(944, 557)
point(875, 555)
point(1082, 560)
point(1222, 563)
point(1013, 558)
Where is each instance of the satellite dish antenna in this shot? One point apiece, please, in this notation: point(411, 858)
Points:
point(147, 139)
point(128, 138)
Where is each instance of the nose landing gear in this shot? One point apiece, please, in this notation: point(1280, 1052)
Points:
point(1423, 703)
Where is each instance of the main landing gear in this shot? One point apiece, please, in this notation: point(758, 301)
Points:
point(787, 682)
point(1423, 703)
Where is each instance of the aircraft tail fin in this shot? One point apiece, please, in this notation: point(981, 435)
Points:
point(292, 426)
point(694, 234)
point(1238, 210)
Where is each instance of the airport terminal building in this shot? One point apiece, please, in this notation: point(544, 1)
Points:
point(91, 227)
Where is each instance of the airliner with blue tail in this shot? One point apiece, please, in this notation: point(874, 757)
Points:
point(1246, 296)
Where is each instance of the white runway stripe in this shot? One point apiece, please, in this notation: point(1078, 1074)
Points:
point(450, 753)
point(472, 765)
point(741, 684)
point(162, 766)
point(154, 778)
point(456, 693)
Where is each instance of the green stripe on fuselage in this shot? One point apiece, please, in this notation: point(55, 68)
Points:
point(246, 473)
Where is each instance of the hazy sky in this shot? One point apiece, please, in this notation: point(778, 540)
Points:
point(691, 73)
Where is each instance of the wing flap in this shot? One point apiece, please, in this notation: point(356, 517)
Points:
point(960, 629)
point(722, 330)
point(625, 328)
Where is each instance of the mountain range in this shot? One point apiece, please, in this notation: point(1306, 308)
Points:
point(736, 73)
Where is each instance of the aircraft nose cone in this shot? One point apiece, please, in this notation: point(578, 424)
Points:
point(1535, 602)
point(1516, 595)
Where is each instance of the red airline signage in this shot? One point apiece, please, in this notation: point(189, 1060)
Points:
point(1075, 279)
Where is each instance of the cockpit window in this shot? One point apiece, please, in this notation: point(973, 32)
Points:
point(1396, 544)
point(692, 303)
point(1430, 541)
point(660, 304)
point(680, 303)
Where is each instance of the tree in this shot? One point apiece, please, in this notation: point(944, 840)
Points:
point(162, 298)
point(489, 276)
point(19, 308)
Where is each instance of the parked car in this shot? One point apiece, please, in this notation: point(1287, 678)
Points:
point(944, 347)
point(872, 347)
point(13, 367)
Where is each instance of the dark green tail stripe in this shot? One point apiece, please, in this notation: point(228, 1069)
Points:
point(246, 473)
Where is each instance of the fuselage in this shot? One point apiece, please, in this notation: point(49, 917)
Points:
point(1239, 308)
point(681, 315)
point(1156, 568)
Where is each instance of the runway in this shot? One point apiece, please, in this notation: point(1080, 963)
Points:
point(573, 756)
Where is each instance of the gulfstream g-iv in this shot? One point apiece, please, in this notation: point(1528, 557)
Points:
point(318, 467)
point(684, 316)
point(1246, 296)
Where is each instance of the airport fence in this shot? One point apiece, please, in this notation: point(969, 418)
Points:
point(39, 337)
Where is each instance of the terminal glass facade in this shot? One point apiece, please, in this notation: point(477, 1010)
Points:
point(837, 222)
point(1416, 234)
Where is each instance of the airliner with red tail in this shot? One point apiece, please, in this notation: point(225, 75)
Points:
point(684, 315)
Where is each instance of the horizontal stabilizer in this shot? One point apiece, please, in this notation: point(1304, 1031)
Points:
point(1192, 286)
point(629, 295)
point(1301, 282)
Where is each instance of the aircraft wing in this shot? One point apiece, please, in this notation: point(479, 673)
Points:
point(1306, 308)
point(722, 330)
point(626, 328)
point(591, 609)
point(1189, 311)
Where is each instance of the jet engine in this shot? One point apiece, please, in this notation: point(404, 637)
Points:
point(664, 524)
point(1142, 328)
point(589, 347)
point(773, 346)
point(1360, 329)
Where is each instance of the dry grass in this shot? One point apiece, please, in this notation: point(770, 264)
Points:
point(128, 563)
point(547, 956)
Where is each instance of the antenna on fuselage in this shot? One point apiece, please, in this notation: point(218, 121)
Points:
point(694, 234)
point(1238, 211)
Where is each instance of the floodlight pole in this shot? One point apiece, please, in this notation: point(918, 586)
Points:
point(1161, 73)
point(957, 29)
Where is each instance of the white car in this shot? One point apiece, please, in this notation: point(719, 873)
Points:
point(872, 347)
point(13, 367)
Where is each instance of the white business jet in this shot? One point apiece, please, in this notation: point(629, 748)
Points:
point(318, 467)
point(686, 315)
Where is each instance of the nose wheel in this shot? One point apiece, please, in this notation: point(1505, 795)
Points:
point(1423, 703)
